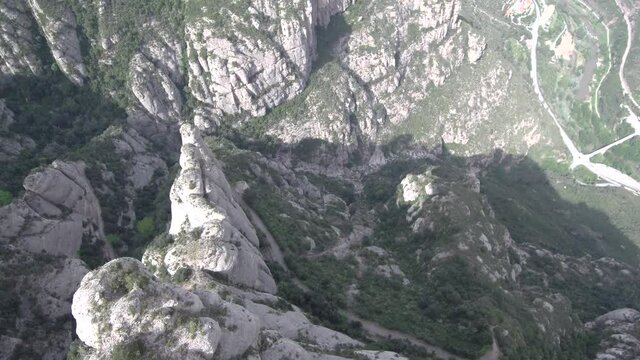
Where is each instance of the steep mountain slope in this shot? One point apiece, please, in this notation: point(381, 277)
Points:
point(318, 179)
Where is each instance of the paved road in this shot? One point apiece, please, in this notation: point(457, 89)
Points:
point(612, 176)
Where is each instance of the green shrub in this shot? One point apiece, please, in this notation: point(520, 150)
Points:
point(130, 351)
point(146, 227)
point(5, 198)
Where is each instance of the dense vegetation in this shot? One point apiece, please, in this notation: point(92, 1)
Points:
point(59, 116)
point(455, 306)
point(130, 21)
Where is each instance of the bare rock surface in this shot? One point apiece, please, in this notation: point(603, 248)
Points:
point(58, 23)
point(17, 39)
point(619, 334)
point(57, 213)
point(122, 304)
point(213, 232)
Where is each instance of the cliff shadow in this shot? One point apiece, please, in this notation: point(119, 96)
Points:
point(328, 38)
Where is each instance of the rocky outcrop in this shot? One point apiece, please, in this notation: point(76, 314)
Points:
point(56, 214)
point(58, 24)
point(154, 89)
point(261, 66)
point(156, 81)
point(618, 331)
point(337, 108)
point(211, 231)
point(122, 302)
point(17, 39)
point(378, 71)
point(122, 305)
point(156, 75)
point(393, 54)
point(325, 9)
point(144, 163)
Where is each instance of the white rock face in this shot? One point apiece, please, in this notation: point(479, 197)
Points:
point(17, 41)
point(388, 62)
point(619, 332)
point(295, 325)
point(122, 303)
point(154, 89)
point(392, 51)
point(213, 232)
point(58, 209)
point(145, 164)
point(58, 23)
point(268, 61)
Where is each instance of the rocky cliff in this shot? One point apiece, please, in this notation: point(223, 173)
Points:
point(276, 165)
point(211, 231)
point(57, 213)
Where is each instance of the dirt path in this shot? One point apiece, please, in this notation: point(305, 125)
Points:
point(379, 332)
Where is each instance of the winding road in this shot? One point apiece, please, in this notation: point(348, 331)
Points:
point(610, 175)
point(630, 31)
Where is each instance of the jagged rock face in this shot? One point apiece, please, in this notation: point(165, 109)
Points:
point(154, 89)
point(57, 213)
point(40, 289)
point(341, 108)
point(325, 9)
point(388, 59)
point(155, 81)
point(144, 163)
point(391, 50)
point(619, 331)
point(123, 303)
point(212, 230)
point(58, 23)
point(435, 199)
point(17, 39)
point(265, 62)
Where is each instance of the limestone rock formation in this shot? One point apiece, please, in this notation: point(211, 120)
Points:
point(56, 214)
point(619, 331)
point(211, 230)
point(144, 164)
point(261, 66)
point(390, 50)
point(58, 23)
point(17, 39)
point(123, 306)
point(126, 302)
point(154, 89)
point(377, 70)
